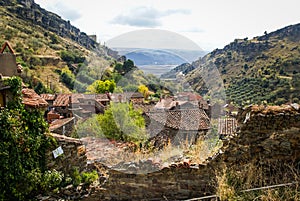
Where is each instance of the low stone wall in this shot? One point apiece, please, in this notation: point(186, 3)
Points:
point(266, 137)
point(73, 155)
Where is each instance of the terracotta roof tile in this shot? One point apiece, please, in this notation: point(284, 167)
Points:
point(48, 97)
point(62, 100)
point(102, 97)
point(32, 99)
point(189, 96)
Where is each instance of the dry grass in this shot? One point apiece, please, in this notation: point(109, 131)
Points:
point(232, 183)
point(170, 153)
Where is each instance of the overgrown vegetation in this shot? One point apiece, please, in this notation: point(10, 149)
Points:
point(119, 122)
point(23, 149)
point(23, 146)
point(259, 182)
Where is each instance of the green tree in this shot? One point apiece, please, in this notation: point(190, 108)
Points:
point(67, 77)
point(122, 122)
point(22, 149)
point(128, 66)
point(144, 90)
point(100, 86)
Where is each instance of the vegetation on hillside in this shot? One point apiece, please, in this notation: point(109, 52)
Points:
point(261, 70)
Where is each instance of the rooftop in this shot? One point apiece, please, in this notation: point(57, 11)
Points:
point(59, 123)
point(189, 119)
point(32, 99)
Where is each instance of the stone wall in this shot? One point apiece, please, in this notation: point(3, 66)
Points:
point(73, 155)
point(267, 136)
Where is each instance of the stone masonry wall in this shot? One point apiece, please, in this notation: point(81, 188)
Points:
point(73, 155)
point(267, 136)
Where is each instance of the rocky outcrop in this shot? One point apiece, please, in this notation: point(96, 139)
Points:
point(30, 11)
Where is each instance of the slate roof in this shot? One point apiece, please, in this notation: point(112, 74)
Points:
point(169, 103)
point(144, 107)
point(32, 99)
point(102, 97)
point(125, 96)
point(59, 123)
point(190, 119)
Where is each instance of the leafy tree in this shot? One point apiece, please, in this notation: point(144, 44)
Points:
point(119, 67)
point(122, 122)
point(89, 127)
point(144, 90)
point(100, 86)
point(128, 66)
point(67, 77)
point(22, 149)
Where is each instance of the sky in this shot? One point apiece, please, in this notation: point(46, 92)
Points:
point(210, 24)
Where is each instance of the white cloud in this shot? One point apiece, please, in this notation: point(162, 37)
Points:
point(145, 16)
point(212, 24)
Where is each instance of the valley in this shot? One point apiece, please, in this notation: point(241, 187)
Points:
point(145, 116)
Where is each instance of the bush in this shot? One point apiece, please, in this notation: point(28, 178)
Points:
point(23, 146)
point(122, 122)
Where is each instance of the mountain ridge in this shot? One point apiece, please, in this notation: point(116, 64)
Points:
point(264, 69)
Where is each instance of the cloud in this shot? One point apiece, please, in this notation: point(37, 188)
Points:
point(145, 16)
point(67, 12)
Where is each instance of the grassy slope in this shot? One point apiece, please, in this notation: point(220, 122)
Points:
point(37, 48)
point(256, 70)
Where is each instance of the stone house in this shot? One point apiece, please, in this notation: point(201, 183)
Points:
point(133, 97)
point(61, 105)
point(81, 105)
point(63, 126)
point(177, 126)
point(8, 64)
point(30, 99)
point(50, 99)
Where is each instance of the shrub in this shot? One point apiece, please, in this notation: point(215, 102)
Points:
point(23, 146)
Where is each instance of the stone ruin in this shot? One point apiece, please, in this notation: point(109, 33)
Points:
point(267, 136)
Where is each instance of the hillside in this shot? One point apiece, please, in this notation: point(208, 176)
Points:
point(265, 69)
point(45, 44)
point(154, 57)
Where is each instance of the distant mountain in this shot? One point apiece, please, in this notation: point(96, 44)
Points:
point(265, 69)
point(183, 68)
point(154, 57)
point(160, 56)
